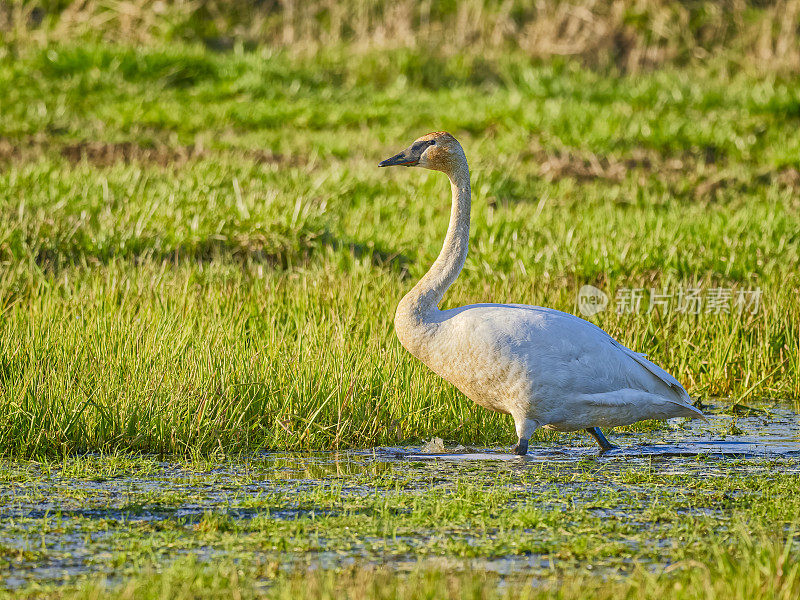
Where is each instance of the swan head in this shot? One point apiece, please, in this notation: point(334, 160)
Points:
point(438, 151)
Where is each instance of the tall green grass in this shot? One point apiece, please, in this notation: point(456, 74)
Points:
point(198, 253)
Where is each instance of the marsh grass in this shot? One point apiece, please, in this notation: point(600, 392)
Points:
point(761, 569)
point(199, 259)
point(763, 573)
point(179, 275)
point(351, 526)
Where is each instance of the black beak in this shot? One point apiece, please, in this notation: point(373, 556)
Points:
point(408, 157)
point(402, 159)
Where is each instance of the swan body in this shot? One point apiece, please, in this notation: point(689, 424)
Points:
point(544, 367)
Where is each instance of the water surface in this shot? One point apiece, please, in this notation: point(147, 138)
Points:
point(110, 515)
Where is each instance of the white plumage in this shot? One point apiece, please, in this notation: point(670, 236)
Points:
point(544, 367)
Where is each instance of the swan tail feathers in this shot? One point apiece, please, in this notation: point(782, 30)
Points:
point(682, 398)
point(632, 405)
point(674, 385)
point(688, 410)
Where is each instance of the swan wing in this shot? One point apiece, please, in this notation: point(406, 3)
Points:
point(562, 352)
point(673, 385)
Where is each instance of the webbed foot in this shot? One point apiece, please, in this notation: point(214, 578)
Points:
point(601, 439)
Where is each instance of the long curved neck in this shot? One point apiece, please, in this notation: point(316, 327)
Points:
point(430, 290)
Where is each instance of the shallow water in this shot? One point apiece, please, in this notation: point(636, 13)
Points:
point(62, 524)
point(764, 432)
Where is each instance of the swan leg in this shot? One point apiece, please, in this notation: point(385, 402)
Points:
point(525, 428)
point(601, 439)
point(521, 448)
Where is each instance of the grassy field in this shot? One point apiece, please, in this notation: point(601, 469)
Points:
point(200, 261)
point(198, 252)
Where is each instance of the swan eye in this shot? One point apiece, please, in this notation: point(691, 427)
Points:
point(420, 147)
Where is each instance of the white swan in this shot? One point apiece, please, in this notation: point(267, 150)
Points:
point(544, 367)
